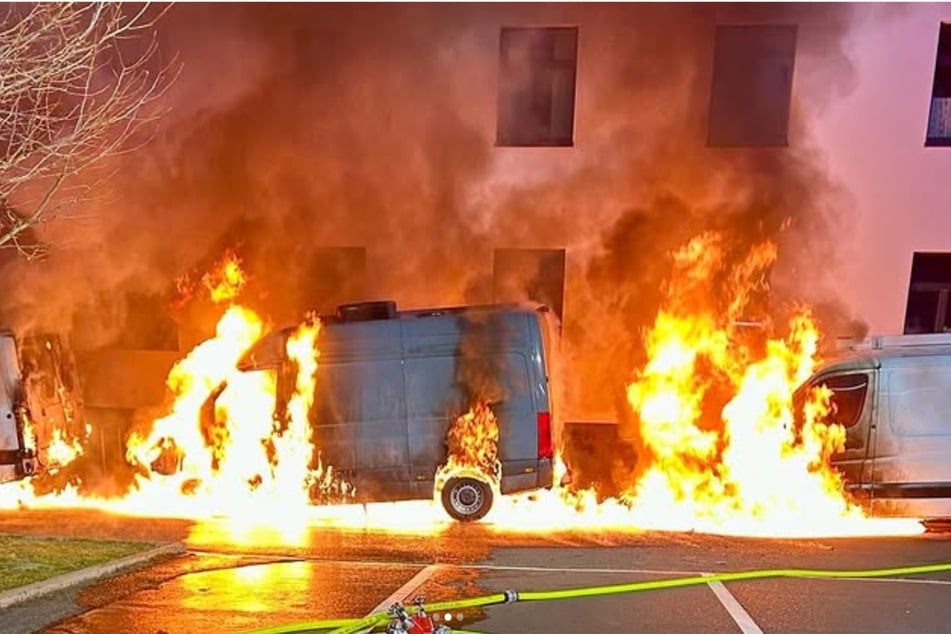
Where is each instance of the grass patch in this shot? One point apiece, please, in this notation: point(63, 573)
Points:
point(25, 560)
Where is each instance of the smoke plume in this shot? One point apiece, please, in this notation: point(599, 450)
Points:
point(299, 127)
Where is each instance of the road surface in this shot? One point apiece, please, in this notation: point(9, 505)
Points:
point(226, 584)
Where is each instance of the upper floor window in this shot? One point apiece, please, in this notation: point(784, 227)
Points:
point(939, 116)
point(928, 292)
point(752, 86)
point(537, 68)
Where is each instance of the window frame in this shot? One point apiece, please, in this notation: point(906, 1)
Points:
point(941, 87)
point(928, 287)
point(508, 113)
point(720, 112)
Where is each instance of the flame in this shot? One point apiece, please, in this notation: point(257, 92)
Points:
point(220, 450)
point(223, 283)
point(719, 449)
point(62, 450)
point(226, 281)
point(751, 472)
point(296, 446)
point(472, 444)
point(205, 440)
point(745, 468)
point(27, 432)
point(236, 459)
point(749, 469)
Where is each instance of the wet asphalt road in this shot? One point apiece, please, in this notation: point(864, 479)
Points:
point(223, 586)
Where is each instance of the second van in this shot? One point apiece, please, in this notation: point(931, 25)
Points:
point(892, 394)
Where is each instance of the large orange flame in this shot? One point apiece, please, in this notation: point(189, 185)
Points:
point(751, 469)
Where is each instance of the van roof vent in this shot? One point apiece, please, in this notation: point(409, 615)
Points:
point(366, 311)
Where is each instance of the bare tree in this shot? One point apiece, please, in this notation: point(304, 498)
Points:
point(77, 82)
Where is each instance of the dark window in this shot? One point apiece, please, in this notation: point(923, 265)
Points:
point(530, 274)
point(848, 398)
point(752, 85)
point(537, 68)
point(928, 293)
point(939, 116)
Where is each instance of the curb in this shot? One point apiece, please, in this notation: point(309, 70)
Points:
point(76, 577)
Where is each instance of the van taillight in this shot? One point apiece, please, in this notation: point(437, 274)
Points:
point(545, 448)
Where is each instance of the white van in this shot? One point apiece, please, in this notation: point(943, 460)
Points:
point(893, 396)
point(39, 392)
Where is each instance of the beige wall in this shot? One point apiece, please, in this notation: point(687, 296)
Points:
point(874, 142)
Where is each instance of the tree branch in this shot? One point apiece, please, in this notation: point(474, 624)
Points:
point(76, 85)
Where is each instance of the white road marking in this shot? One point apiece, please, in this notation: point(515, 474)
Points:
point(407, 588)
point(736, 611)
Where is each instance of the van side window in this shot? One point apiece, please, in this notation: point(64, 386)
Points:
point(848, 398)
point(919, 395)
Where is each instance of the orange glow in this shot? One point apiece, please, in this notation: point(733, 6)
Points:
point(745, 466)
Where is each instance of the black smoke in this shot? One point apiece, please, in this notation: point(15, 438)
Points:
point(298, 127)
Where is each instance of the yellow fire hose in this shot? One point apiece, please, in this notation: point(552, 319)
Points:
point(370, 623)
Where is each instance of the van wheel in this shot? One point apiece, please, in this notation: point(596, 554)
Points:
point(466, 499)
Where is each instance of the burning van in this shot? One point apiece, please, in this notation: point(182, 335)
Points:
point(399, 393)
point(40, 396)
point(892, 394)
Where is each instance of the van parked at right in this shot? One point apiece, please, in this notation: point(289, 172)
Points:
point(893, 396)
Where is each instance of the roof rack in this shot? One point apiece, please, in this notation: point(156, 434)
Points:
point(882, 342)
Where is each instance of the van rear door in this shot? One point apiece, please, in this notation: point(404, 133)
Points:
point(519, 424)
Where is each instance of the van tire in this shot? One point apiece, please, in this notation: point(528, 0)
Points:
point(466, 499)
